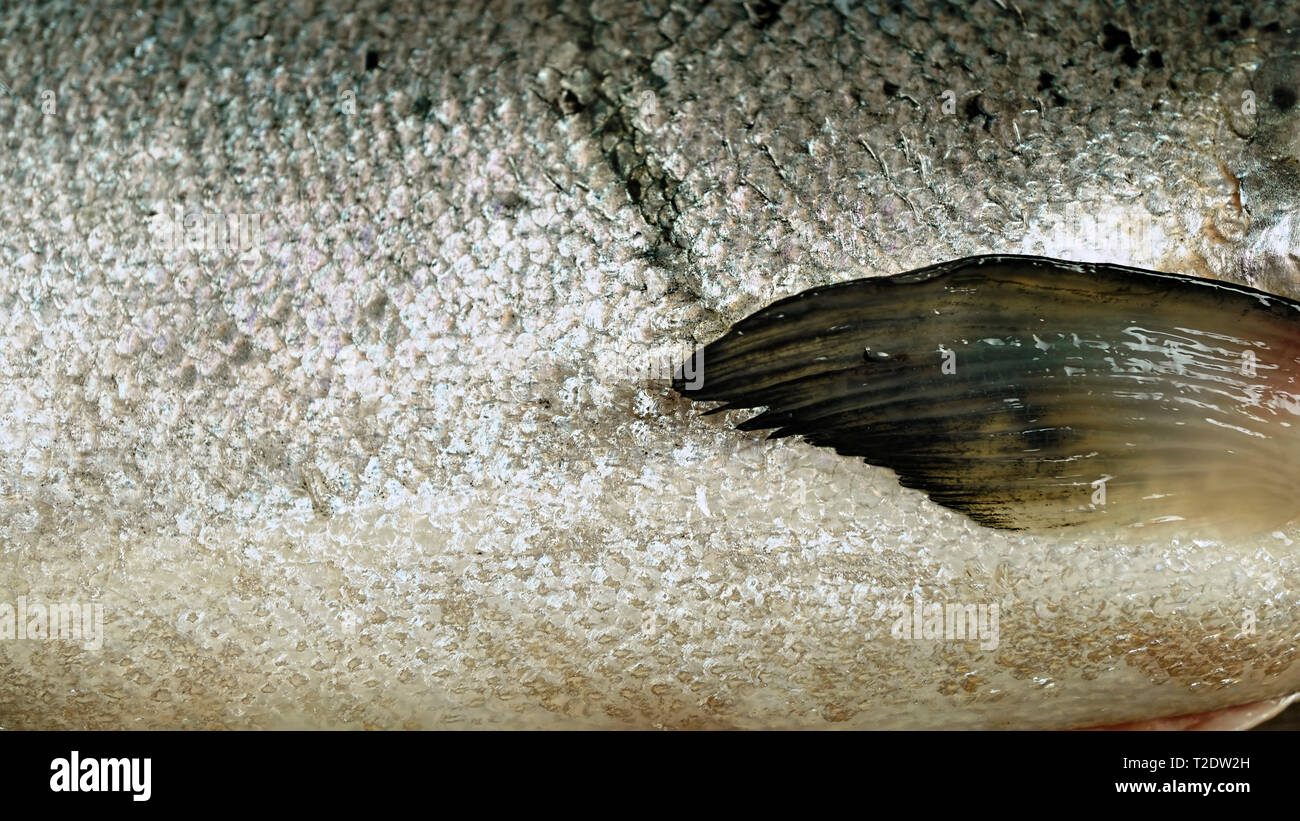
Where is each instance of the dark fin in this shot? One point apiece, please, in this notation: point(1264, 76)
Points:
point(1032, 393)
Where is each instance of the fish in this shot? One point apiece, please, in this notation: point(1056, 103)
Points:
point(1034, 393)
point(336, 349)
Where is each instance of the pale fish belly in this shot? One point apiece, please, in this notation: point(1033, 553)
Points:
point(336, 352)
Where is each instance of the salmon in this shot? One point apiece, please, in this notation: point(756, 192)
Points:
point(335, 384)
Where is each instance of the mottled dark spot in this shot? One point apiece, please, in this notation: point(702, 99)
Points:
point(1155, 59)
point(1223, 35)
point(1113, 38)
point(1130, 57)
point(973, 109)
point(375, 310)
point(634, 190)
point(570, 104)
point(1244, 21)
point(242, 352)
point(1213, 18)
point(1045, 80)
point(422, 106)
point(766, 12)
point(372, 60)
point(890, 89)
point(1117, 82)
point(1284, 98)
point(1057, 99)
point(1273, 27)
point(507, 203)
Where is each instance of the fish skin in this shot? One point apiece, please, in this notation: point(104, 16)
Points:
point(405, 463)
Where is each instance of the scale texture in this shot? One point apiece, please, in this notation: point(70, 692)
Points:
point(408, 457)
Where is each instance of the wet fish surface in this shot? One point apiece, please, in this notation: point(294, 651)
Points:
point(337, 341)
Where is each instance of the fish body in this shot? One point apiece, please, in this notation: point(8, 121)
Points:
point(403, 453)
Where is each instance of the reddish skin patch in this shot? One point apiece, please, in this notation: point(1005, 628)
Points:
point(1241, 717)
point(1236, 187)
